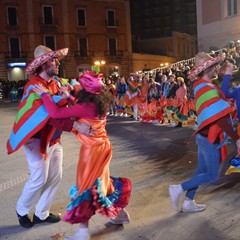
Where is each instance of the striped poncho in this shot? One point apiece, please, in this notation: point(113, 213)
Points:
point(132, 93)
point(210, 106)
point(32, 116)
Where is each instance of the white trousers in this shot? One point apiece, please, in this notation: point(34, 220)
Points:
point(135, 110)
point(44, 178)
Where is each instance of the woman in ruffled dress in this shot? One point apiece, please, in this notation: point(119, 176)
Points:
point(181, 105)
point(142, 98)
point(95, 190)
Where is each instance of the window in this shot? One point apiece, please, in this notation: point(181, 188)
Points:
point(111, 19)
point(112, 46)
point(12, 16)
point(50, 42)
point(81, 17)
point(232, 7)
point(83, 68)
point(83, 47)
point(14, 47)
point(48, 15)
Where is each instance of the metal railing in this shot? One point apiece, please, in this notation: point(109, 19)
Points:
point(180, 63)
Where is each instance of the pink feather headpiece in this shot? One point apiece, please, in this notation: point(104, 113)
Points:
point(91, 82)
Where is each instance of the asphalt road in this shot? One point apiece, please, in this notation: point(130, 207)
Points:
point(152, 156)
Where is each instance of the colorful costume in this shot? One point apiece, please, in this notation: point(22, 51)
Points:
point(142, 99)
point(111, 90)
point(34, 130)
point(32, 116)
point(213, 113)
point(121, 91)
point(181, 109)
point(210, 107)
point(95, 190)
point(132, 93)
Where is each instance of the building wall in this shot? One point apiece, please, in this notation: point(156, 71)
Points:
point(146, 62)
point(179, 46)
point(31, 32)
point(158, 20)
point(154, 19)
point(215, 27)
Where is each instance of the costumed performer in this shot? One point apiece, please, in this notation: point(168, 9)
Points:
point(95, 190)
point(142, 97)
point(131, 96)
point(213, 113)
point(121, 91)
point(40, 137)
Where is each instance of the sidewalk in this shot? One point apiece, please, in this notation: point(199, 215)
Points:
point(152, 156)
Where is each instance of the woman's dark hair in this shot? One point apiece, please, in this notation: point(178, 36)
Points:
point(101, 101)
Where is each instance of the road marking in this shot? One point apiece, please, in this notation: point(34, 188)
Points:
point(12, 182)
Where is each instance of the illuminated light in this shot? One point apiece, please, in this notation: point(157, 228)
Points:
point(161, 64)
point(166, 64)
point(99, 62)
point(17, 69)
point(17, 64)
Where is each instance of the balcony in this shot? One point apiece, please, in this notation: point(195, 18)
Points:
point(113, 54)
point(48, 25)
point(16, 56)
point(88, 55)
point(112, 24)
point(11, 28)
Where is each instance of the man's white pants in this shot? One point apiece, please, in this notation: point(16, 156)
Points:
point(44, 178)
point(135, 110)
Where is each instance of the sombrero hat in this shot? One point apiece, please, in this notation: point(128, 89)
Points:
point(203, 61)
point(42, 54)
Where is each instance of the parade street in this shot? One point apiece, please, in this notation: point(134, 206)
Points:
point(153, 157)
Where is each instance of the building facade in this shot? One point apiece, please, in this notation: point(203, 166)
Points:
point(218, 23)
point(97, 32)
point(168, 27)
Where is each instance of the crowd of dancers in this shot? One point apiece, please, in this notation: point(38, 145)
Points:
point(166, 97)
point(177, 95)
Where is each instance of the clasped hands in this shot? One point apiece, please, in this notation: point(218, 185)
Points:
point(64, 90)
point(83, 128)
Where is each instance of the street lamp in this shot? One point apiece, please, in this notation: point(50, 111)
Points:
point(97, 65)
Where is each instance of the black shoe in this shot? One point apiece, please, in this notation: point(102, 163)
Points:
point(179, 124)
point(50, 219)
point(25, 221)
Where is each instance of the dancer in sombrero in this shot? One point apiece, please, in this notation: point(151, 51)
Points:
point(95, 190)
point(213, 113)
point(40, 137)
